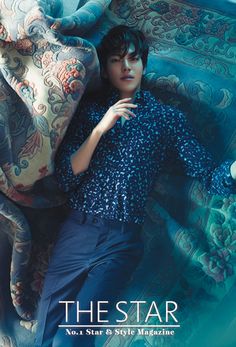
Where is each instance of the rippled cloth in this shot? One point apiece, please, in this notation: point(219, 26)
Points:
point(43, 75)
point(190, 237)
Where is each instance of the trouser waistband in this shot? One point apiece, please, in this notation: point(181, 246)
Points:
point(87, 218)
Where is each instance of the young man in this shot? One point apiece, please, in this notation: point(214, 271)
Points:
point(107, 165)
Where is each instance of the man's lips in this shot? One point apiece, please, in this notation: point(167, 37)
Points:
point(125, 78)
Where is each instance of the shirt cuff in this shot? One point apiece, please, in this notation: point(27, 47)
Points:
point(75, 179)
point(66, 179)
point(228, 180)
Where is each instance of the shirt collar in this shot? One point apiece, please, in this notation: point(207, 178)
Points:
point(113, 96)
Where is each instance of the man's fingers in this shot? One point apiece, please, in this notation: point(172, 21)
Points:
point(123, 100)
point(125, 115)
point(126, 105)
point(125, 110)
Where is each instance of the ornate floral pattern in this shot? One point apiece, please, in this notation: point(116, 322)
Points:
point(42, 78)
point(184, 33)
point(191, 65)
point(43, 74)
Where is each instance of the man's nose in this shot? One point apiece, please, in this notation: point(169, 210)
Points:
point(125, 65)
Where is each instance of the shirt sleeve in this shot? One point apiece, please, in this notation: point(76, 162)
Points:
point(73, 139)
point(197, 161)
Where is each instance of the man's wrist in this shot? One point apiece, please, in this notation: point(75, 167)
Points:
point(98, 131)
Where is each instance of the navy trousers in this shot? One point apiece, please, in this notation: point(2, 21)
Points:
point(93, 260)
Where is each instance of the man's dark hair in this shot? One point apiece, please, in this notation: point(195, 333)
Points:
point(118, 40)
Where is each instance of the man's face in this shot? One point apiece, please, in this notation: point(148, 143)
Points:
point(125, 73)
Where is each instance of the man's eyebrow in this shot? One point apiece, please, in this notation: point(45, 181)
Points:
point(133, 53)
point(115, 55)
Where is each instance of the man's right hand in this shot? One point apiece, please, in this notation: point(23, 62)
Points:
point(116, 111)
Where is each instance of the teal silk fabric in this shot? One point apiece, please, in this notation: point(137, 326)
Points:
point(190, 237)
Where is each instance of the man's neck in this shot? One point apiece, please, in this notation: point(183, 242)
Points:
point(129, 95)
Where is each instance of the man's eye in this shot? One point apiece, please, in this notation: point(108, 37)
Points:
point(114, 60)
point(135, 58)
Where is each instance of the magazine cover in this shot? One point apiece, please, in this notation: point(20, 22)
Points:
point(117, 173)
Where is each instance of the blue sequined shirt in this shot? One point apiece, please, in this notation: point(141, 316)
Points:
point(129, 158)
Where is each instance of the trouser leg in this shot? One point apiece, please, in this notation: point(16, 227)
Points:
point(51, 312)
point(89, 263)
point(103, 283)
point(65, 276)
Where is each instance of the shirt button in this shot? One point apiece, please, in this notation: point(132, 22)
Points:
point(95, 220)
